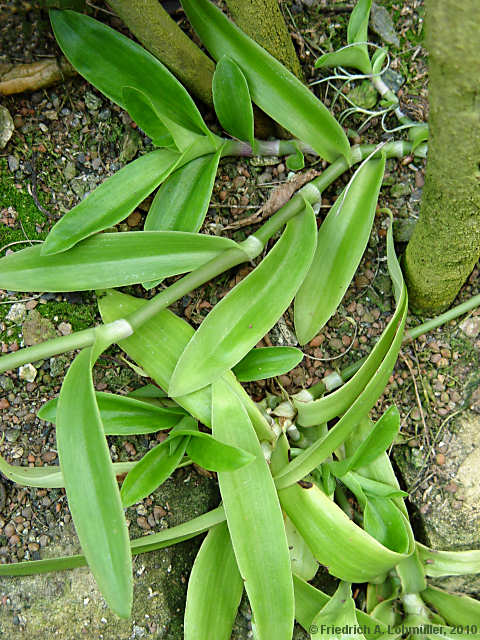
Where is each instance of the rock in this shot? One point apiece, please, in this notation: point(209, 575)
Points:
point(393, 80)
point(381, 23)
point(282, 335)
point(37, 329)
point(27, 372)
point(400, 190)
point(364, 95)
point(92, 101)
point(403, 229)
point(131, 143)
point(471, 326)
point(134, 219)
point(69, 172)
point(6, 126)
point(65, 328)
point(12, 435)
point(17, 313)
point(6, 383)
point(13, 163)
point(57, 365)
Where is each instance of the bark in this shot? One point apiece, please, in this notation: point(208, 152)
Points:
point(445, 244)
point(263, 21)
point(160, 34)
point(33, 76)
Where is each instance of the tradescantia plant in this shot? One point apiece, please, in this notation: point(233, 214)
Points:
point(283, 476)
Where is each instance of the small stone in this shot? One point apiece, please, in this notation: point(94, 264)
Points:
point(471, 326)
point(17, 313)
point(382, 24)
point(364, 95)
point(317, 341)
point(158, 512)
point(15, 539)
point(13, 163)
point(69, 172)
point(4, 403)
point(440, 459)
point(399, 190)
point(6, 383)
point(12, 435)
point(403, 229)
point(31, 304)
point(57, 365)
point(27, 372)
point(37, 329)
point(43, 540)
point(49, 456)
point(6, 126)
point(65, 328)
point(134, 219)
point(143, 523)
point(131, 143)
point(92, 101)
point(393, 80)
point(33, 546)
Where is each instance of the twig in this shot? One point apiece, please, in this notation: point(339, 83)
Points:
point(417, 396)
point(33, 186)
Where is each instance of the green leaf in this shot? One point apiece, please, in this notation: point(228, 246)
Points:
point(215, 588)
point(112, 201)
point(308, 601)
point(267, 362)
point(296, 161)
point(347, 551)
point(272, 87)
point(110, 260)
point(338, 612)
point(122, 416)
point(357, 30)
point(211, 454)
point(411, 574)
point(342, 239)
point(152, 470)
point(249, 310)
point(155, 541)
point(91, 485)
point(418, 134)
point(456, 609)
point(110, 61)
point(303, 562)
point(383, 520)
point(140, 107)
point(147, 392)
point(255, 521)
point(157, 345)
point(231, 98)
point(379, 439)
point(47, 477)
point(448, 563)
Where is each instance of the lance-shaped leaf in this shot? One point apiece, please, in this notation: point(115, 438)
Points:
point(145, 544)
point(448, 563)
point(384, 521)
point(249, 310)
point(456, 609)
point(309, 600)
point(231, 98)
point(154, 468)
point(338, 612)
point(122, 416)
point(110, 61)
point(255, 521)
point(157, 345)
point(303, 562)
point(355, 55)
point(411, 574)
point(210, 453)
point(110, 260)
point(267, 362)
point(342, 239)
point(272, 87)
point(91, 486)
point(112, 201)
point(140, 107)
point(418, 134)
point(48, 477)
point(215, 588)
point(377, 441)
point(348, 552)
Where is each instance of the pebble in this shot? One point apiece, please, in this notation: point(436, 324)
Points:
point(143, 523)
point(471, 326)
point(13, 163)
point(440, 459)
point(17, 313)
point(43, 540)
point(9, 530)
point(6, 126)
point(27, 372)
point(4, 403)
point(65, 328)
point(134, 219)
point(317, 341)
point(158, 512)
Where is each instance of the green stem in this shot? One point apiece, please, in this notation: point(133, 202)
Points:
point(251, 248)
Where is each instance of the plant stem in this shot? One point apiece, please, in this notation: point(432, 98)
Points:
point(251, 248)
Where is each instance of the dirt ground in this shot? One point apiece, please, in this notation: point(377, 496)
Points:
point(67, 140)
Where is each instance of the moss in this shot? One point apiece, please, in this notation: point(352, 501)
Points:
point(80, 316)
point(23, 204)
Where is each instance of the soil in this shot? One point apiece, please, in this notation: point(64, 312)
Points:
point(68, 139)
